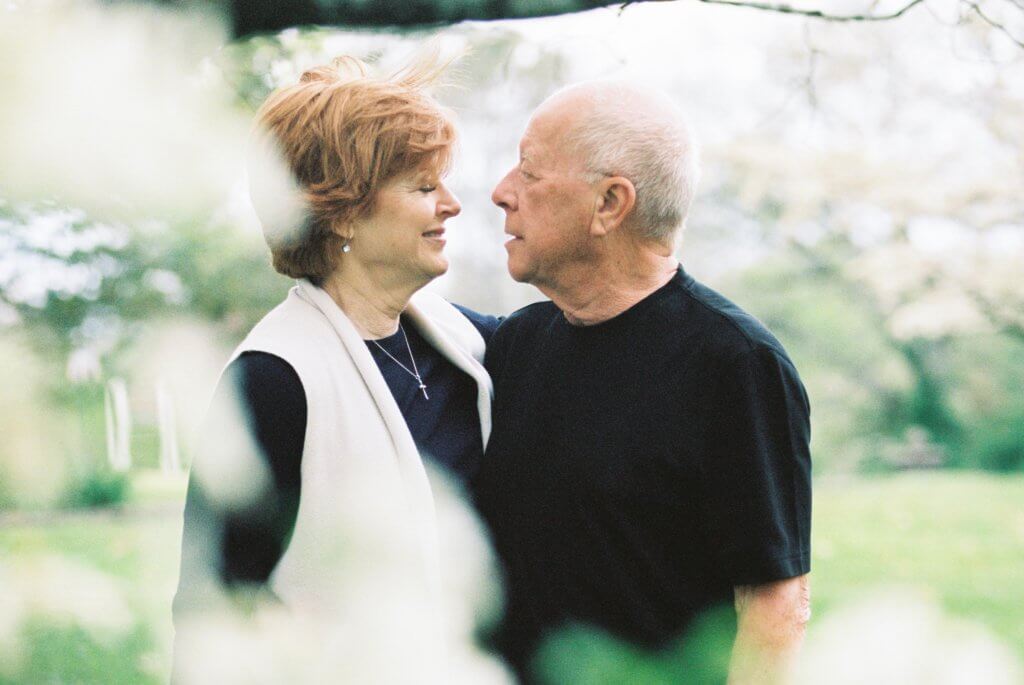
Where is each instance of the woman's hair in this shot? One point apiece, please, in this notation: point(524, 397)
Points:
point(343, 134)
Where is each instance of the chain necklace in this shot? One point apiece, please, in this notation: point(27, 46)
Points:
point(414, 372)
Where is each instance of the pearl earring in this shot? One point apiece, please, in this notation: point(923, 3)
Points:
point(346, 248)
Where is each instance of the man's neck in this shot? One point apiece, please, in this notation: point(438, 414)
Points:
point(611, 287)
point(373, 308)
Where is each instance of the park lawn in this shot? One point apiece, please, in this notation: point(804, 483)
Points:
point(956, 537)
point(136, 547)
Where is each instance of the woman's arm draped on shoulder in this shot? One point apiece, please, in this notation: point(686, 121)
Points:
point(240, 508)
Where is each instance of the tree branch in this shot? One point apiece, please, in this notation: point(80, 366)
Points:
point(992, 313)
point(5, 301)
point(815, 14)
point(993, 23)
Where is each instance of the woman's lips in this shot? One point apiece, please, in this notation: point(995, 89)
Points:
point(436, 235)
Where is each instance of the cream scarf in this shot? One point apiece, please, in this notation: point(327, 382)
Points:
point(365, 491)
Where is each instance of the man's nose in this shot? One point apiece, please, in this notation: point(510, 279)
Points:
point(502, 194)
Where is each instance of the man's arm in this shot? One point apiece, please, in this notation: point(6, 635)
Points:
point(771, 622)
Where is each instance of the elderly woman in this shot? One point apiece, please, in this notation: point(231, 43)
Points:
point(357, 376)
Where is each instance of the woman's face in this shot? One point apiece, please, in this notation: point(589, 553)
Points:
point(403, 239)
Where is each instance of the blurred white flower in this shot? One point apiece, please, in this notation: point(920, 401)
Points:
point(363, 613)
point(103, 109)
point(66, 591)
point(59, 591)
point(83, 366)
point(189, 357)
point(897, 637)
point(33, 468)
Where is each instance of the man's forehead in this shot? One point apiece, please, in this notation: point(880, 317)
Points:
point(540, 140)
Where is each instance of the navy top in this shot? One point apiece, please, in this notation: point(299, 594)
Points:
point(445, 428)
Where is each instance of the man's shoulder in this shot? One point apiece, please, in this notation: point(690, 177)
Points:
point(527, 318)
point(516, 331)
point(723, 327)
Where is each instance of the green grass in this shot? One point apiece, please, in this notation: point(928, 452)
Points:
point(956, 537)
point(138, 547)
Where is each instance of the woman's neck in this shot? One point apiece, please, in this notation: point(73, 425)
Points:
point(372, 308)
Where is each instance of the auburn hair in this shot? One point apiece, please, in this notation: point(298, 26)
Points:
point(343, 134)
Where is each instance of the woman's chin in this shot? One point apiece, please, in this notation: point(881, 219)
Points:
point(442, 267)
point(437, 266)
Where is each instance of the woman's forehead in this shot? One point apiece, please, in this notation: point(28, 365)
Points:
point(427, 171)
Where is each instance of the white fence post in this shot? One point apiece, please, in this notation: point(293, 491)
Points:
point(119, 425)
point(170, 459)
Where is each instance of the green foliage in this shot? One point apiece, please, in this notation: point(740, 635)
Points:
point(138, 554)
point(97, 487)
point(263, 16)
point(880, 402)
point(68, 653)
point(588, 657)
point(999, 444)
point(6, 496)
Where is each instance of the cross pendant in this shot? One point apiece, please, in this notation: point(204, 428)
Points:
point(424, 389)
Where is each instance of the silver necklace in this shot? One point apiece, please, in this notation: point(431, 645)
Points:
point(414, 372)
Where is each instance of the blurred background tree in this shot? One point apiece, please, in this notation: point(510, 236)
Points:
point(861, 201)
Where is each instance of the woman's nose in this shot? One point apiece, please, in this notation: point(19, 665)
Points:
point(449, 205)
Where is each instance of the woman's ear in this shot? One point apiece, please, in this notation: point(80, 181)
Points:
point(616, 198)
point(344, 229)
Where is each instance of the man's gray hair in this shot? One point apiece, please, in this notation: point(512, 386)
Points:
point(624, 130)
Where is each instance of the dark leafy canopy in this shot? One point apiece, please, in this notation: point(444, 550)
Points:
point(259, 16)
point(251, 17)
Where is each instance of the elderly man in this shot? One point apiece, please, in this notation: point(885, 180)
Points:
point(649, 460)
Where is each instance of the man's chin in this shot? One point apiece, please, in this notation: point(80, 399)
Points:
point(518, 273)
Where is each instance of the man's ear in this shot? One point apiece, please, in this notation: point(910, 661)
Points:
point(616, 198)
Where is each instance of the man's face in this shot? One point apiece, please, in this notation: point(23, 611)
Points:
point(547, 201)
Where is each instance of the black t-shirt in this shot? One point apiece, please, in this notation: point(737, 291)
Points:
point(640, 468)
point(445, 428)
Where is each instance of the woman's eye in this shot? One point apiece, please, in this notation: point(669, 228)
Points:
point(428, 189)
